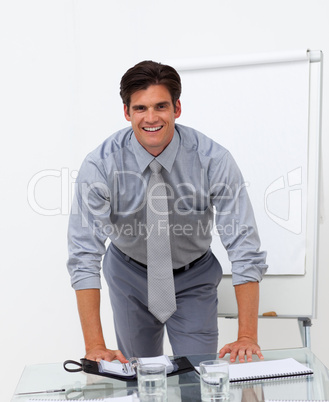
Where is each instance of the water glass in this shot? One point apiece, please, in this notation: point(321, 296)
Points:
point(152, 382)
point(214, 380)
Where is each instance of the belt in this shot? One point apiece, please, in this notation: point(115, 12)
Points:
point(176, 271)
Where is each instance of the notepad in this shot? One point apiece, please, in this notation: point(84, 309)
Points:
point(128, 369)
point(267, 370)
point(125, 370)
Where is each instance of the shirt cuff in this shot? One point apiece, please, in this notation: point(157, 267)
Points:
point(93, 282)
point(249, 273)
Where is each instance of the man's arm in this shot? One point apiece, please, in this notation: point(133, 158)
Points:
point(247, 296)
point(89, 310)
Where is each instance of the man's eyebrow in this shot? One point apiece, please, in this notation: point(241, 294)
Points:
point(164, 103)
point(135, 107)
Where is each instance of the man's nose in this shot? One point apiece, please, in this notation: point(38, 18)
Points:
point(151, 116)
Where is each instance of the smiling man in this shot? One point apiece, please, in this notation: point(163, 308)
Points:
point(152, 115)
point(155, 189)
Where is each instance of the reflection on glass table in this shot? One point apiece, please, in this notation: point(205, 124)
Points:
point(185, 387)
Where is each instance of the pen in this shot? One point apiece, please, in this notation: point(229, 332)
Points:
point(124, 368)
point(49, 391)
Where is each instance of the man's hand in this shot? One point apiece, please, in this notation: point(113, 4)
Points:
point(247, 296)
point(244, 346)
point(101, 353)
point(88, 306)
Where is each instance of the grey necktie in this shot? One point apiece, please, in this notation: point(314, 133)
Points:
point(161, 287)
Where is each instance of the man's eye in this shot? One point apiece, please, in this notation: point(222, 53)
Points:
point(138, 108)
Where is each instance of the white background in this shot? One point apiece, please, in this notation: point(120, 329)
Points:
point(61, 62)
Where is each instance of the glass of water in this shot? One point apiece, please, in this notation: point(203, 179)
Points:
point(152, 382)
point(214, 380)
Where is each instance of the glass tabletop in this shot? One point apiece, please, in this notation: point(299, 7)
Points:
point(184, 387)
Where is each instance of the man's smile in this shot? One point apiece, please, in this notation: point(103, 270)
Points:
point(152, 128)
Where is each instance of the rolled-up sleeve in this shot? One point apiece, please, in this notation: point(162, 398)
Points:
point(235, 221)
point(89, 215)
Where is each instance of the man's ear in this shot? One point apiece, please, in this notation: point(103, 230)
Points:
point(178, 109)
point(126, 112)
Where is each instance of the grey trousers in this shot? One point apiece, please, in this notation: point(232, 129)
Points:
point(192, 329)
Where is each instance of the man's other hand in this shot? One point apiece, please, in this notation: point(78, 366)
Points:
point(99, 353)
point(243, 347)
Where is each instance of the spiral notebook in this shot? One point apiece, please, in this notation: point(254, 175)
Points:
point(267, 370)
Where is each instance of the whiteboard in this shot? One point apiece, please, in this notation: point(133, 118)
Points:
point(258, 107)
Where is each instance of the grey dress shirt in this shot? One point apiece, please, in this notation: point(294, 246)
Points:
point(204, 187)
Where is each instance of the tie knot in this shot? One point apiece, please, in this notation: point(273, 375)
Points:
point(155, 166)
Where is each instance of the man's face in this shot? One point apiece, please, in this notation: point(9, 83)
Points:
point(152, 116)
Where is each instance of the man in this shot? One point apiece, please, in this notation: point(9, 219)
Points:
point(171, 279)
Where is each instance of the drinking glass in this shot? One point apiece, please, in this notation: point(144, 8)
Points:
point(152, 382)
point(214, 380)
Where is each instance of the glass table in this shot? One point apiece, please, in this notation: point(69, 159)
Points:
point(185, 387)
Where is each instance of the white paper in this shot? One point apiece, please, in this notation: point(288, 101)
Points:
point(273, 368)
point(116, 368)
point(260, 114)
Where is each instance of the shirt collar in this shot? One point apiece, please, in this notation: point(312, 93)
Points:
point(166, 158)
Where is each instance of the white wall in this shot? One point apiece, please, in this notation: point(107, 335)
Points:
point(61, 62)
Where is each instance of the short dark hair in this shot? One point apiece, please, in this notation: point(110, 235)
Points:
point(147, 73)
